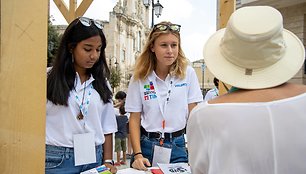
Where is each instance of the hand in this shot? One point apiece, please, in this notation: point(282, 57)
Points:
point(112, 168)
point(140, 163)
point(118, 104)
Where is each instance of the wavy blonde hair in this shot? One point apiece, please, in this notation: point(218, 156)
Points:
point(146, 62)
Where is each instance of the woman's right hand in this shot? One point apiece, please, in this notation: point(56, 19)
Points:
point(141, 163)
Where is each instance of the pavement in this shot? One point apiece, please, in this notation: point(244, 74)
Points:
point(127, 165)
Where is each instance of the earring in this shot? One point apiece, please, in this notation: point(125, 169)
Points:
point(72, 58)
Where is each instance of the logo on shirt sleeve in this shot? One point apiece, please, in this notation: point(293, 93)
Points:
point(149, 91)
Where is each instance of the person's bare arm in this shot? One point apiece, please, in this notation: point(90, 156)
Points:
point(108, 151)
point(191, 106)
point(134, 126)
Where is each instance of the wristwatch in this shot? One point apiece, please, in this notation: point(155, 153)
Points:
point(109, 161)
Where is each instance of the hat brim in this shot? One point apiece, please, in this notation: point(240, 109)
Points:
point(271, 76)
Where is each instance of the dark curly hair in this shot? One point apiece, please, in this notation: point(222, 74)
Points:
point(120, 95)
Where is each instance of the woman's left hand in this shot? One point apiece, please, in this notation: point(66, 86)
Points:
point(112, 168)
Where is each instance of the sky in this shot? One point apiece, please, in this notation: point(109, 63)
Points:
point(197, 18)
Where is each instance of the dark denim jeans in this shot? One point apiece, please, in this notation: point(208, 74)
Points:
point(60, 160)
point(177, 144)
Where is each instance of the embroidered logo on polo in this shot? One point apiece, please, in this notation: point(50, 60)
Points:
point(149, 92)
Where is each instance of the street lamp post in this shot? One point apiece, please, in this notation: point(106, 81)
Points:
point(157, 8)
point(203, 73)
point(116, 64)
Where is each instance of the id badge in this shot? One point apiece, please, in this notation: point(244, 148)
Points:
point(161, 155)
point(84, 149)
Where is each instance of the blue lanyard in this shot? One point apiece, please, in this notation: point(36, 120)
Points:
point(83, 105)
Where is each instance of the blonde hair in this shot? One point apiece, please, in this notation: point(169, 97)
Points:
point(146, 62)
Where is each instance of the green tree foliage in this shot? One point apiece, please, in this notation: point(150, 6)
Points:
point(53, 43)
point(115, 77)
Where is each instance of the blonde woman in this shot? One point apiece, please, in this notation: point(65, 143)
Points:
point(161, 94)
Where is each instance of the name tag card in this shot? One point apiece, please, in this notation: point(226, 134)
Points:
point(84, 149)
point(161, 155)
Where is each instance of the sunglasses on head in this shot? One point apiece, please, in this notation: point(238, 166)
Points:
point(164, 27)
point(87, 22)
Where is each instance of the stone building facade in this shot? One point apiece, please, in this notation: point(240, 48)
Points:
point(126, 33)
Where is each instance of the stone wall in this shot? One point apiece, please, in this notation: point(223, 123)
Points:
point(294, 20)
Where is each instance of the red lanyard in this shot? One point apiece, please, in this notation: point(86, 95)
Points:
point(161, 141)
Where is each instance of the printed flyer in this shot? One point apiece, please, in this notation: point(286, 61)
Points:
point(175, 168)
point(98, 170)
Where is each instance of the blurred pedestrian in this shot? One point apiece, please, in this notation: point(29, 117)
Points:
point(214, 92)
point(120, 100)
point(121, 136)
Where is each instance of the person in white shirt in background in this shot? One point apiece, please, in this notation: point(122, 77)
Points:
point(259, 127)
point(214, 92)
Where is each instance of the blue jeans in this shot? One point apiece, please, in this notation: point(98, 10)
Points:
point(60, 160)
point(177, 144)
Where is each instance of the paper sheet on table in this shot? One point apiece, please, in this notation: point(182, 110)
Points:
point(182, 168)
point(130, 171)
point(134, 171)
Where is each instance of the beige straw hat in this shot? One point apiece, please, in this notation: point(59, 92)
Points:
point(254, 50)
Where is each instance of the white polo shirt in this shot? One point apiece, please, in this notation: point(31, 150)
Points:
point(149, 97)
point(211, 94)
point(62, 124)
